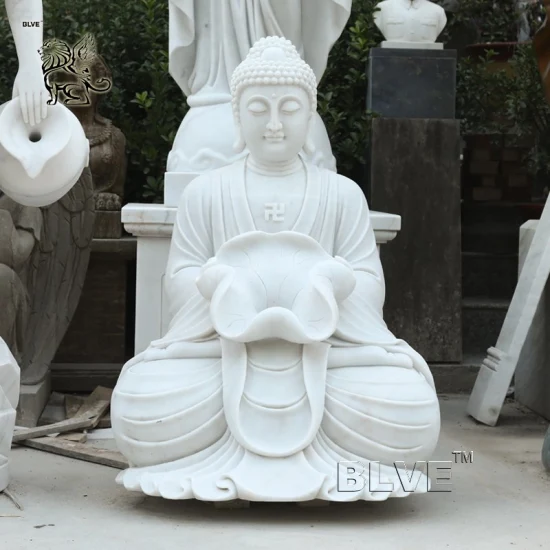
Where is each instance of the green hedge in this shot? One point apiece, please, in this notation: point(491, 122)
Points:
point(148, 106)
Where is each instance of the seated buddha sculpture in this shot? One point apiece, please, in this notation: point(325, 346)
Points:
point(277, 365)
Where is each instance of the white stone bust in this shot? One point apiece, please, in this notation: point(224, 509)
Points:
point(410, 23)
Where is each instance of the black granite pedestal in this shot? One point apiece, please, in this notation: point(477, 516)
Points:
point(415, 172)
point(412, 83)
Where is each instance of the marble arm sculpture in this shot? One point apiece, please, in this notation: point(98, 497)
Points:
point(29, 83)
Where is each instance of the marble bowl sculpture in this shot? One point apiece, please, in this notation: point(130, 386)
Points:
point(39, 164)
point(275, 286)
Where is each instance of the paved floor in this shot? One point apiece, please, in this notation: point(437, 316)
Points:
point(500, 501)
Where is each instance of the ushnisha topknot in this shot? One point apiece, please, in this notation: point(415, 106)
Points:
point(273, 60)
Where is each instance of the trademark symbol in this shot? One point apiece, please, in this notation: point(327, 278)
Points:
point(464, 457)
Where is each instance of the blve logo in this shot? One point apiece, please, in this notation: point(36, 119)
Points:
point(32, 23)
point(353, 476)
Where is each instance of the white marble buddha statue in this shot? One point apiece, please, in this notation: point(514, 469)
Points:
point(277, 365)
point(414, 24)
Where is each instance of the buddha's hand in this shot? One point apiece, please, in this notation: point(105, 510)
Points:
point(210, 277)
point(339, 274)
point(29, 87)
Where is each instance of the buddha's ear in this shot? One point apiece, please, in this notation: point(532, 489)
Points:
point(309, 146)
point(240, 144)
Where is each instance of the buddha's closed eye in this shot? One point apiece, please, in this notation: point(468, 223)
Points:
point(290, 107)
point(257, 107)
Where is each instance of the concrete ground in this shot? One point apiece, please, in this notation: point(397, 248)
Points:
point(501, 500)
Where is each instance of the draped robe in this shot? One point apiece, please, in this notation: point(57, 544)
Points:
point(380, 402)
point(208, 39)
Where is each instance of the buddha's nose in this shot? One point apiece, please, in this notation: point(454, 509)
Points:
point(274, 125)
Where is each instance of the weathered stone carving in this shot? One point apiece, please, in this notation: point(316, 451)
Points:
point(20, 229)
point(82, 94)
point(56, 275)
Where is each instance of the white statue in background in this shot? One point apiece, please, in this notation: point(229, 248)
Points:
point(277, 364)
point(414, 24)
point(29, 87)
point(43, 151)
point(209, 38)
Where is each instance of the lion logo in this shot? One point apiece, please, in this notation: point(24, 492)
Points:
point(68, 73)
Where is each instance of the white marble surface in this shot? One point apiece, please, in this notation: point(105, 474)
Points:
point(43, 149)
point(532, 375)
point(497, 370)
point(410, 23)
point(157, 220)
point(9, 397)
point(153, 225)
point(40, 164)
point(411, 45)
point(277, 366)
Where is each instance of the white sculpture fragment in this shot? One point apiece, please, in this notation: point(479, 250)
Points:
point(209, 38)
point(413, 24)
point(40, 164)
point(9, 397)
point(277, 364)
point(43, 149)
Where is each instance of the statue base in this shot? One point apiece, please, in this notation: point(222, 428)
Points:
point(313, 475)
point(32, 401)
point(411, 159)
point(412, 45)
point(412, 83)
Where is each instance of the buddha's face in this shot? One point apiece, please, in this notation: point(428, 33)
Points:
point(274, 121)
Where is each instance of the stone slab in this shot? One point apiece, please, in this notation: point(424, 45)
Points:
point(32, 401)
point(412, 83)
point(411, 45)
point(532, 376)
point(498, 369)
point(98, 330)
point(415, 173)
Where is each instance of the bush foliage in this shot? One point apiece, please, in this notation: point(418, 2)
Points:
point(148, 106)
